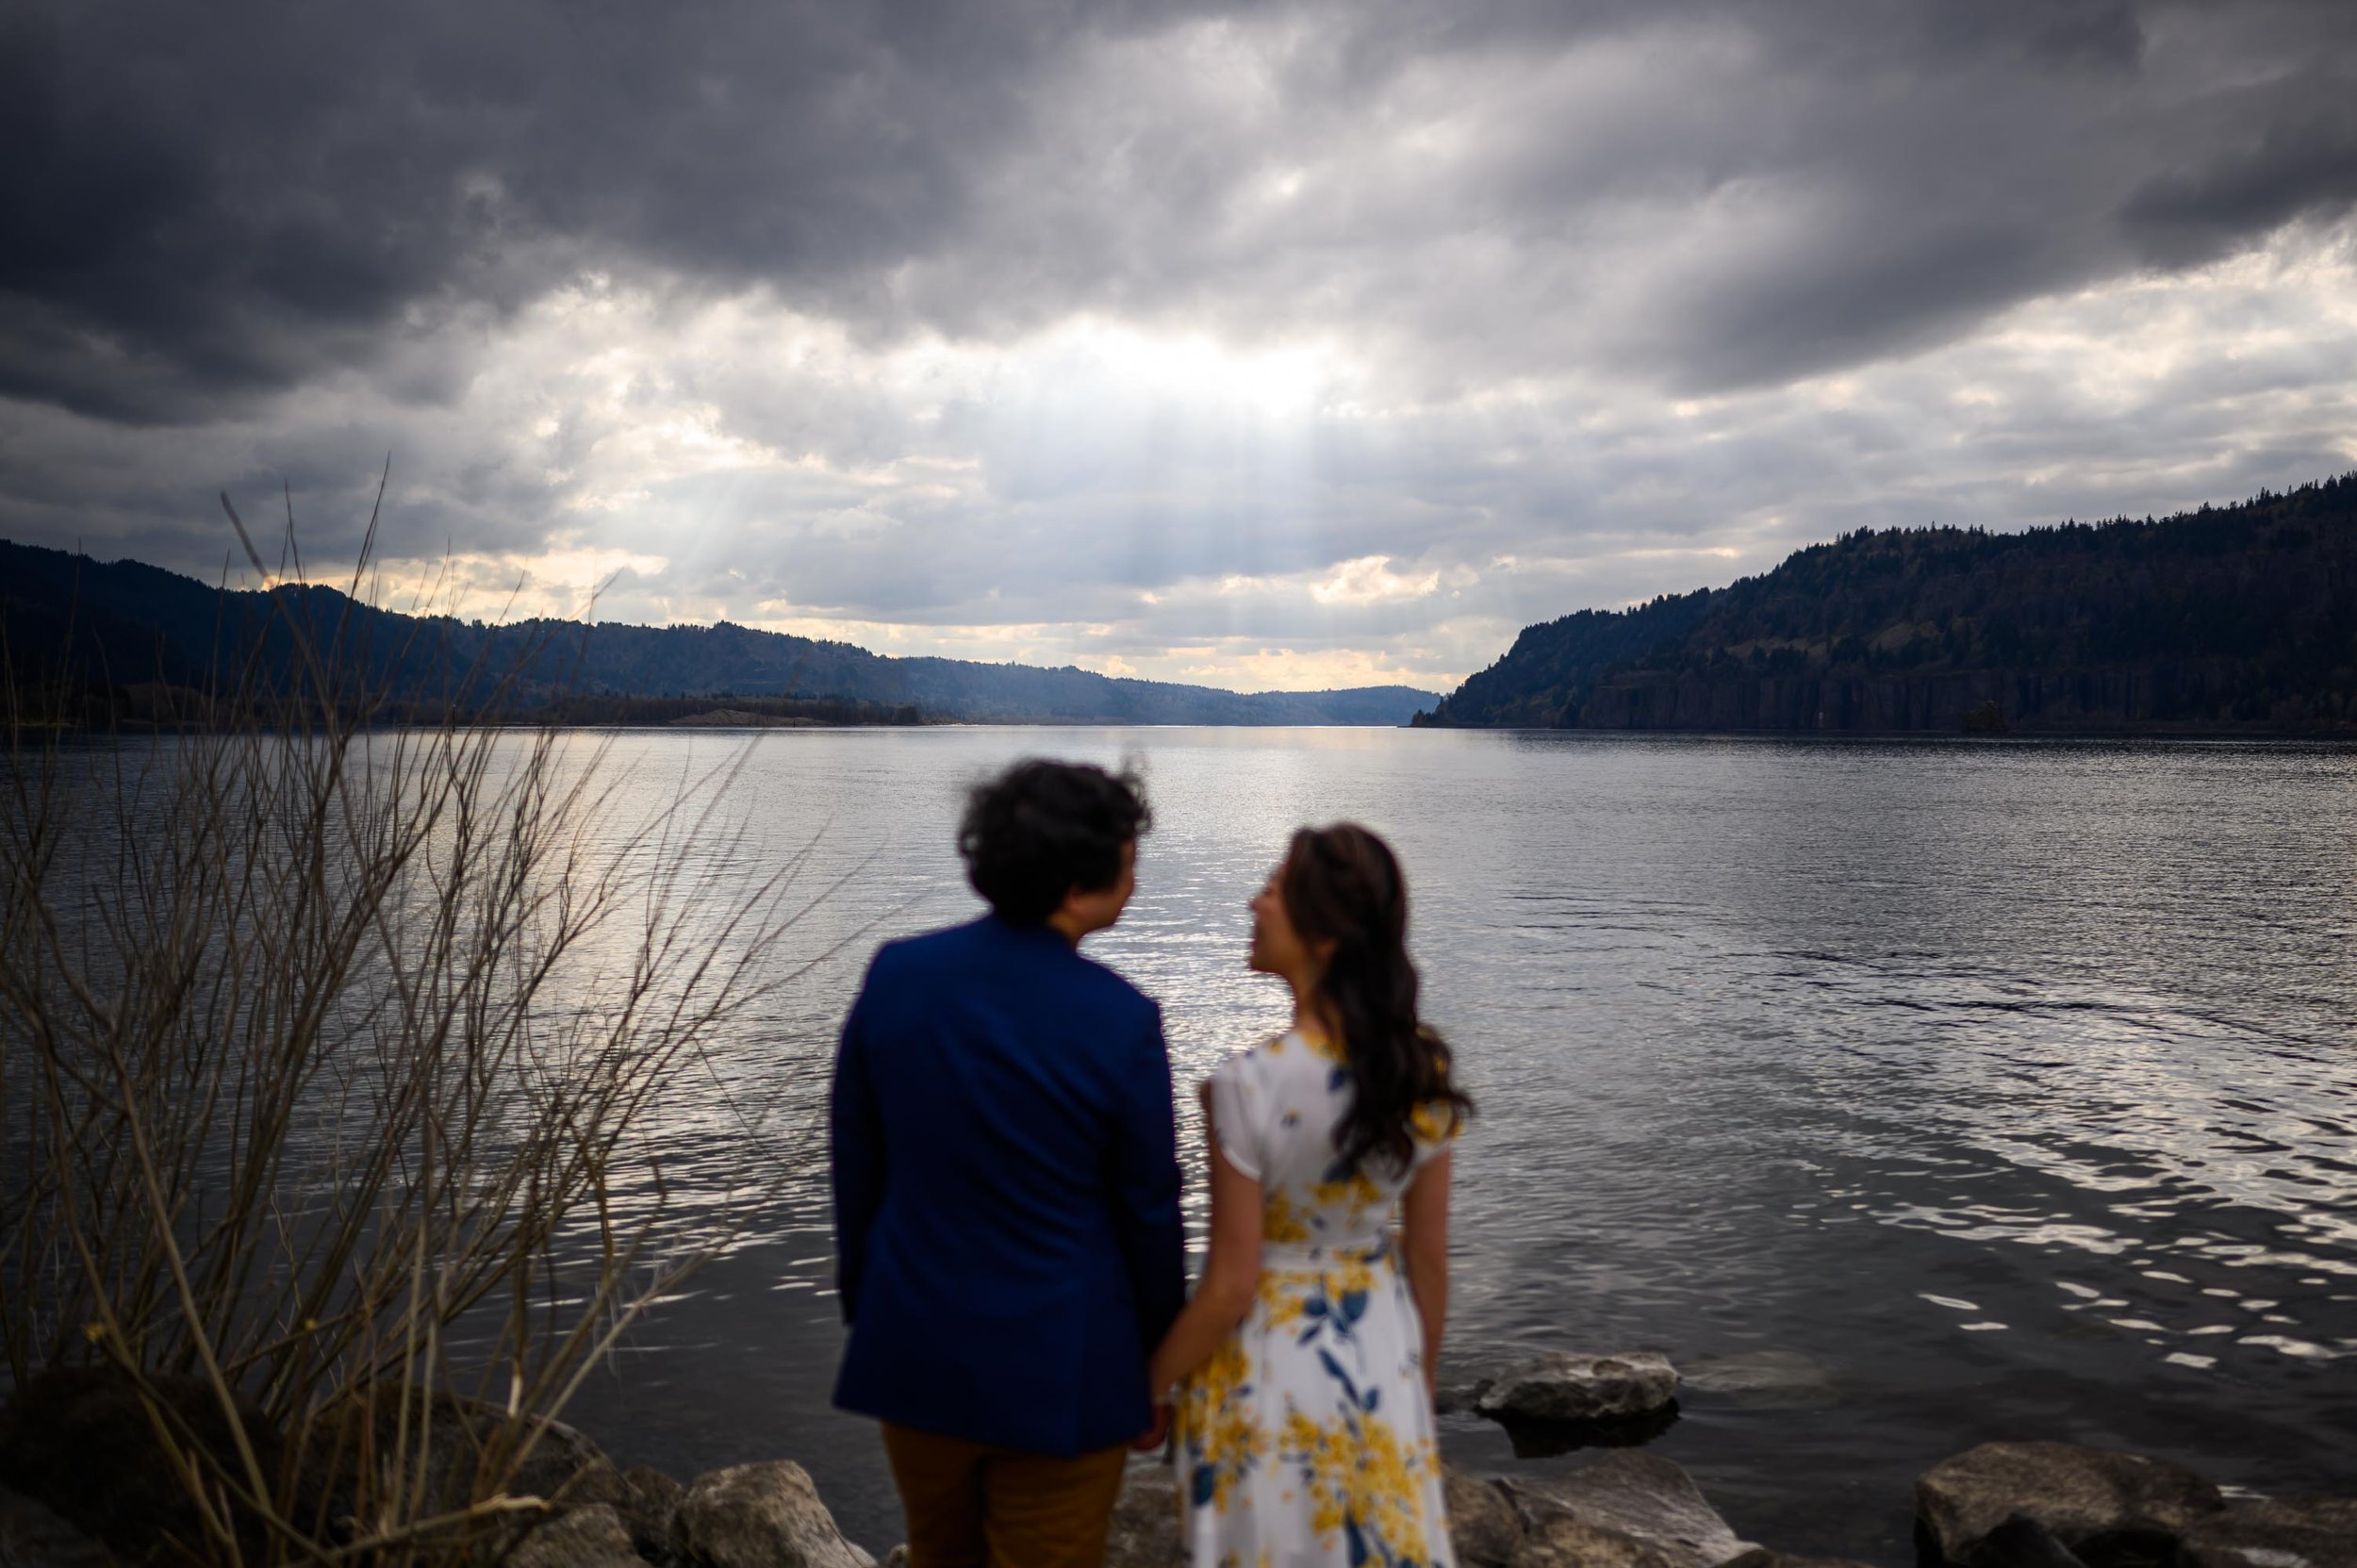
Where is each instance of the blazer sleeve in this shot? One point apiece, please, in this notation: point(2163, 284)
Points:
point(1147, 1186)
point(855, 1132)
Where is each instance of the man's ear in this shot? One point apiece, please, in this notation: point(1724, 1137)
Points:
point(1075, 895)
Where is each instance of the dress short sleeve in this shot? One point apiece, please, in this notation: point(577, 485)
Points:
point(1236, 1114)
point(1436, 1125)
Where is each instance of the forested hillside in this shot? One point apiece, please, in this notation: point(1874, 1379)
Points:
point(2232, 619)
point(121, 628)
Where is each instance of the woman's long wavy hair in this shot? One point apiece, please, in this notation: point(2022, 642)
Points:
point(1342, 885)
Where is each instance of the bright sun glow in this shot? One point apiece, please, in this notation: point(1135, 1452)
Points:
point(1275, 382)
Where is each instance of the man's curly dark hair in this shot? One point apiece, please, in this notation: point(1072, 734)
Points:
point(1041, 829)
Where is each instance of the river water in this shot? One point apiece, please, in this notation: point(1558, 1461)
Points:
point(1907, 1095)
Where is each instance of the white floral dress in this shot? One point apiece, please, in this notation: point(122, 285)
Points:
point(1308, 1437)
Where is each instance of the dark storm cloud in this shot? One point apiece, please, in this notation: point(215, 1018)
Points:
point(215, 200)
point(208, 203)
point(2265, 170)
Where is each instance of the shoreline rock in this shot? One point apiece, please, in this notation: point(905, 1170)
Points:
point(1624, 1511)
point(1483, 1522)
point(591, 1536)
point(2106, 1508)
point(1145, 1531)
point(1556, 1403)
point(74, 1443)
point(37, 1535)
point(651, 1513)
point(2269, 1532)
point(1564, 1389)
point(766, 1515)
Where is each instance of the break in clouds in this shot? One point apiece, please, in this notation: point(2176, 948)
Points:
point(1280, 345)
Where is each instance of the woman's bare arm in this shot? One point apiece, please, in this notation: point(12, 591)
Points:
point(1424, 1226)
point(1230, 1276)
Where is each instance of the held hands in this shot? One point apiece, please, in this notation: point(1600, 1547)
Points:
point(1159, 1433)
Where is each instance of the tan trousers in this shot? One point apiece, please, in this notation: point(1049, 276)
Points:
point(972, 1506)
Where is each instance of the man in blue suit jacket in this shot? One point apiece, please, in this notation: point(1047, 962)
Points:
point(1008, 1243)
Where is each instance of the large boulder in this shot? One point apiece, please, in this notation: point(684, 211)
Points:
point(2276, 1532)
point(1561, 1389)
point(1626, 1510)
point(591, 1537)
point(1145, 1532)
point(2022, 1541)
point(650, 1511)
point(81, 1442)
point(558, 1457)
point(764, 1515)
point(469, 1450)
point(2109, 1509)
point(34, 1536)
point(1483, 1524)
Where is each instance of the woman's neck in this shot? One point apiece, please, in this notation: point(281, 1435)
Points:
point(1312, 1013)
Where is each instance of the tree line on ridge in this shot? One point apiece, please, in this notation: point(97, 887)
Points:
point(2227, 620)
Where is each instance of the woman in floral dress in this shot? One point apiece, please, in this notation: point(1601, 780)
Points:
point(1304, 1364)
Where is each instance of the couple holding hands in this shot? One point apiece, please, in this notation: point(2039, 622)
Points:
point(1009, 1247)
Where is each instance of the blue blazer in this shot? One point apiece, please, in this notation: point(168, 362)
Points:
point(1008, 1244)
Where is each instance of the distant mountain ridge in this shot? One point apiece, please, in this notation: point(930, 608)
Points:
point(125, 622)
point(2241, 618)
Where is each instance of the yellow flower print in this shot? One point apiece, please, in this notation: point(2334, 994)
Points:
point(1354, 1193)
point(1334, 1296)
point(1221, 1378)
point(1362, 1483)
point(1281, 1222)
point(1218, 1426)
point(1284, 1295)
point(1288, 1294)
point(1434, 1121)
point(1350, 1276)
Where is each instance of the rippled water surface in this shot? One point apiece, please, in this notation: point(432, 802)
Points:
point(1908, 1095)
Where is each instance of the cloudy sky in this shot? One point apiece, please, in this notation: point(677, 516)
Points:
point(1268, 346)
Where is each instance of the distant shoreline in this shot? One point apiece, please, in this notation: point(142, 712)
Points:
point(2344, 735)
point(2257, 735)
point(69, 617)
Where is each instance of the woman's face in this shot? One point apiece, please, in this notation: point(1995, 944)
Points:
point(1276, 946)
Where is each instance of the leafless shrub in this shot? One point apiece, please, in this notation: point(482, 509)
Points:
point(322, 1044)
